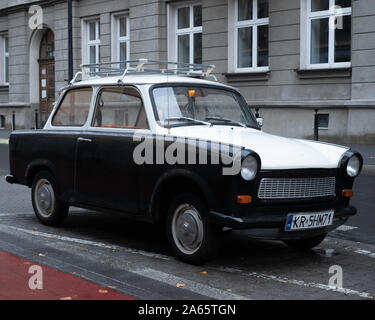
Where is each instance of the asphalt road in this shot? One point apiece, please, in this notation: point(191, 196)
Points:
point(134, 257)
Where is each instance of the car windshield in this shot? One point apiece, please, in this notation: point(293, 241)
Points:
point(189, 105)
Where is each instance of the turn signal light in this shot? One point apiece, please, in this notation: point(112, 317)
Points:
point(244, 199)
point(191, 93)
point(347, 193)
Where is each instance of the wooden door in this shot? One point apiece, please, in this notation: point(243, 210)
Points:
point(46, 87)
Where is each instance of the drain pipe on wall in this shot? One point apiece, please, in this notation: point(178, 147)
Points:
point(70, 41)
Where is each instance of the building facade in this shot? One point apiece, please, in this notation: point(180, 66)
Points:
point(287, 57)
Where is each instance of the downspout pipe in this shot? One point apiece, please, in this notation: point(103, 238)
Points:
point(70, 40)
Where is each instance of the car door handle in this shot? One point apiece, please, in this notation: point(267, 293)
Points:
point(84, 139)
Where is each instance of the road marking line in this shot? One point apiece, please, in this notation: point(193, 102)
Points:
point(15, 213)
point(86, 242)
point(190, 285)
point(346, 228)
point(4, 141)
point(365, 253)
point(298, 282)
point(311, 285)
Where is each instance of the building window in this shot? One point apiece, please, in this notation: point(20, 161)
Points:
point(91, 41)
point(326, 37)
point(4, 65)
point(323, 120)
point(250, 35)
point(120, 38)
point(185, 33)
point(2, 122)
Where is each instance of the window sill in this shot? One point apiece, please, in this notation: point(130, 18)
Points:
point(324, 73)
point(247, 76)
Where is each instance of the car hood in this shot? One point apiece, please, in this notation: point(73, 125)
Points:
point(276, 152)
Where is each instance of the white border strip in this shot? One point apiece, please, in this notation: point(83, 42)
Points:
point(190, 285)
point(312, 285)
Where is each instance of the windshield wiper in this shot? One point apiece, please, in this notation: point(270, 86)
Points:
point(227, 121)
point(187, 119)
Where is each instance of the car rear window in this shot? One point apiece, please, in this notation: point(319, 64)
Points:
point(74, 108)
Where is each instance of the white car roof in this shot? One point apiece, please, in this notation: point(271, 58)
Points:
point(147, 78)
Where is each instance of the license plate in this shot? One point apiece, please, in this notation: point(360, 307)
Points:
point(303, 221)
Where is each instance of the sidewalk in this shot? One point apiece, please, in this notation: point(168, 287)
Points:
point(57, 285)
point(4, 135)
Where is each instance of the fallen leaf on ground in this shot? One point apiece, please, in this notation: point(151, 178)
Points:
point(66, 298)
point(34, 228)
point(112, 287)
point(73, 272)
point(41, 255)
point(204, 272)
point(103, 291)
point(180, 285)
point(229, 290)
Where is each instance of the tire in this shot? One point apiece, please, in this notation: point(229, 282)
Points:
point(188, 212)
point(47, 207)
point(306, 244)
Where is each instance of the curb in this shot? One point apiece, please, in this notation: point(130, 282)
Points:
point(4, 141)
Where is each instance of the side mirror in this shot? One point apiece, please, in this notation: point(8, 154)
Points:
point(260, 121)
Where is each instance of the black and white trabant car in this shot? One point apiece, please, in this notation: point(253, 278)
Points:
point(166, 145)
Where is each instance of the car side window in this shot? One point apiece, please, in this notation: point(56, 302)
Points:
point(74, 108)
point(120, 108)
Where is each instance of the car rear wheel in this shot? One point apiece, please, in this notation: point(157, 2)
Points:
point(306, 244)
point(193, 239)
point(47, 207)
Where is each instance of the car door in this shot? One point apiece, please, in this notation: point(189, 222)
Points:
point(106, 175)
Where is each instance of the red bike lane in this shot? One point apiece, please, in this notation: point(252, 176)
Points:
point(16, 272)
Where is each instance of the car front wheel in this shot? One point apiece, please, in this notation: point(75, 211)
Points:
point(47, 207)
point(306, 244)
point(192, 237)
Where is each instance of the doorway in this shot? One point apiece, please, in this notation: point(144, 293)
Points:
point(46, 75)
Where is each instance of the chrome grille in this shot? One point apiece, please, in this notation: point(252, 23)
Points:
point(296, 188)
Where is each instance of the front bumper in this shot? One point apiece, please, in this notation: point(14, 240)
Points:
point(273, 226)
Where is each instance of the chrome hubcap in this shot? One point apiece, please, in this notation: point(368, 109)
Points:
point(44, 198)
point(187, 229)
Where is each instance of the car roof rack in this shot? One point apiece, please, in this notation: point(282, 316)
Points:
point(127, 67)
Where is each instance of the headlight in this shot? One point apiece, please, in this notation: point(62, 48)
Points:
point(249, 168)
point(353, 167)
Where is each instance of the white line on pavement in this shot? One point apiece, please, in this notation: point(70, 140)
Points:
point(15, 213)
point(86, 242)
point(298, 282)
point(190, 285)
point(346, 228)
point(311, 285)
point(365, 253)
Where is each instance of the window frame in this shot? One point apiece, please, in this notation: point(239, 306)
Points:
point(174, 32)
point(306, 18)
point(87, 43)
point(91, 119)
point(5, 59)
point(4, 56)
point(254, 24)
point(116, 40)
